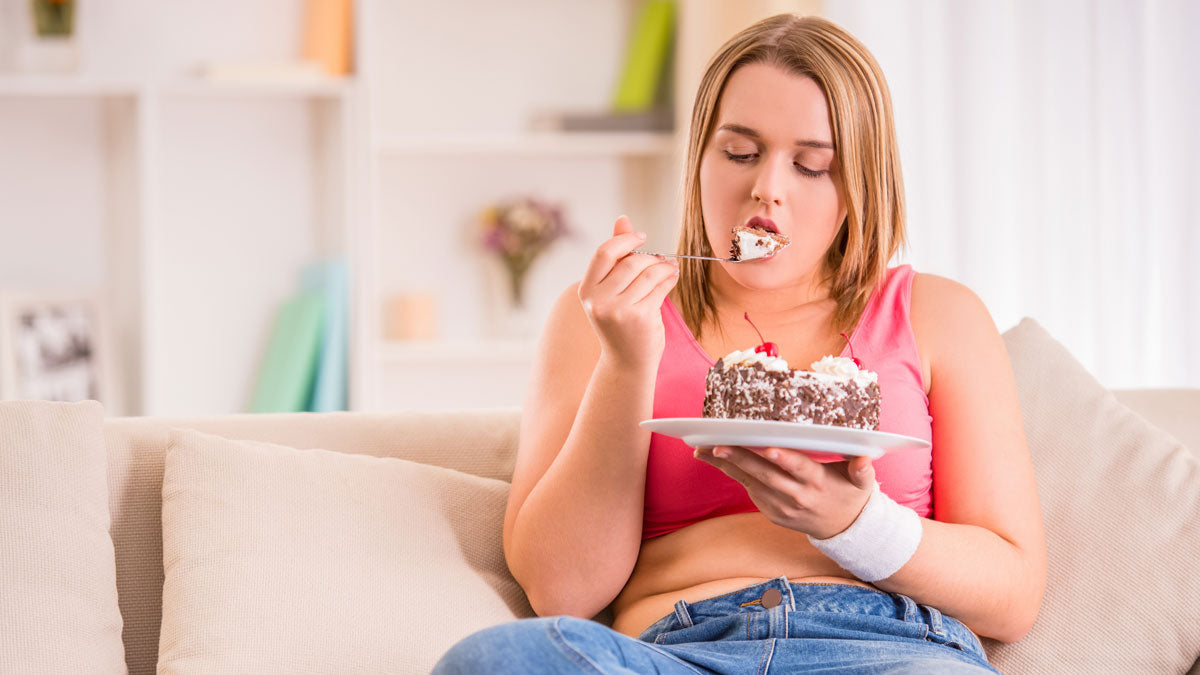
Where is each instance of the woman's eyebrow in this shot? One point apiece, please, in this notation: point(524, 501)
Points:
point(747, 131)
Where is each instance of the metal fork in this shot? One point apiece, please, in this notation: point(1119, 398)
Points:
point(694, 257)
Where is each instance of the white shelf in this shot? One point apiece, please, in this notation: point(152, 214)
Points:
point(552, 144)
point(399, 352)
point(40, 85)
point(63, 86)
point(326, 88)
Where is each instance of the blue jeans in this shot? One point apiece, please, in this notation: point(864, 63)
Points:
point(771, 627)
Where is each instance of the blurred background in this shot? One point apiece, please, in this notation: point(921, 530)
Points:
point(210, 207)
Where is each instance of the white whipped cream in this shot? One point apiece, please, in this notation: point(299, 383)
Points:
point(844, 368)
point(752, 246)
point(749, 357)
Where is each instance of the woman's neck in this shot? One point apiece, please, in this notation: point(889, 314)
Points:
point(731, 299)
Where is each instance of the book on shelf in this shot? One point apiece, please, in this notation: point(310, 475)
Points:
point(647, 58)
point(655, 120)
point(331, 278)
point(289, 365)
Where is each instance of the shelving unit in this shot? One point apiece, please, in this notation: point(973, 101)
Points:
point(173, 198)
point(194, 205)
point(447, 138)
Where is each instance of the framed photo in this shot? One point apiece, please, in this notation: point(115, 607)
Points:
point(54, 346)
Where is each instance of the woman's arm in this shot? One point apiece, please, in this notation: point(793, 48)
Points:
point(572, 529)
point(983, 560)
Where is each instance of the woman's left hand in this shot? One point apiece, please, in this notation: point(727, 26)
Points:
point(794, 491)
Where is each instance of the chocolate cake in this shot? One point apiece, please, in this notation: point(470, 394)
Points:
point(752, 243)
point(759, 386)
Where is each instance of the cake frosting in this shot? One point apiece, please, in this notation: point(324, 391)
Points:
point(750, 384)
point(752, 243)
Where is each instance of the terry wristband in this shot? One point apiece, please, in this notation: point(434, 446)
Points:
point(878, 543)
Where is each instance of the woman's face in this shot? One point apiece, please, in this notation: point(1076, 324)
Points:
point(771, 156)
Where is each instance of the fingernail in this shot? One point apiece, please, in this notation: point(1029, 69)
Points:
point(773, 454)
point(641, 235)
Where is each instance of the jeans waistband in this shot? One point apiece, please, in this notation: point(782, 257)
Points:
point(815, 597)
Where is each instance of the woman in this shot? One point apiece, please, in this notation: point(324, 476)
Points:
point(735, 560)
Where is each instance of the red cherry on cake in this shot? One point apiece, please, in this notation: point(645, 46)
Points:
point(856, 361)
point(768, 348)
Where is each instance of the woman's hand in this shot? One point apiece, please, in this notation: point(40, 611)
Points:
point(622, 295)
point(794, 491)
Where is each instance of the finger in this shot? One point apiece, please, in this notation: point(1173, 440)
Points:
point(659, 294)
point(861, 472)
point(730, 469)
point(622, 226)
point(796, 464)
point(748, 463)
point(623, 241)
point(648, 280)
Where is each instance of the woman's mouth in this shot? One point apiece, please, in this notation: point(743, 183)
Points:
point(763, 224)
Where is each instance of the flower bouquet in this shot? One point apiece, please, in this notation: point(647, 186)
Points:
point(518, 232)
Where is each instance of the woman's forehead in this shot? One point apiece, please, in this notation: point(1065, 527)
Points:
point(780, 107)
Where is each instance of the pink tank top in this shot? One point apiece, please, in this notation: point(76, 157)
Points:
point(681, 490)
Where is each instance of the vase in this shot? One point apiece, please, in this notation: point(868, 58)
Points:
point(511, 316)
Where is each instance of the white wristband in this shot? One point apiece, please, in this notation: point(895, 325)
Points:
point(878, 543)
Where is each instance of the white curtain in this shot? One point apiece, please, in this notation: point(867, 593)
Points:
point(1051, 156)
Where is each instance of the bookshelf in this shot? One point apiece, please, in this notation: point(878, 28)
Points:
point(195, 205)
point(446, 138)
point(174, 198)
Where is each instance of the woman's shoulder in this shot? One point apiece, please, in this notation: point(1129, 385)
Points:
point(939, 300)
point(950, 321)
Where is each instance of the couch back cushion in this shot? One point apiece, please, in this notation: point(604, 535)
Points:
point(285, 560)
point(478, 442)
point(58, 604)
point(1121, 503)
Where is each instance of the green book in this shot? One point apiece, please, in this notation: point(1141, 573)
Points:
point(646, 58)
point(285, 379)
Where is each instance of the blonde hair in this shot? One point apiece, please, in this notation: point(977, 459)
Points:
point(860, 109)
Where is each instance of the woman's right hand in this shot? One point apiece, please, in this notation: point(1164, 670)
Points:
point(622, 295)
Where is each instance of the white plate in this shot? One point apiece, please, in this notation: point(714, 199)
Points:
point(819, 439)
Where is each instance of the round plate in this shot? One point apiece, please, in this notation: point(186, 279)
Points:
point(704, 432)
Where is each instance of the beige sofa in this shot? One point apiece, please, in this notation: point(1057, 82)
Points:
point(279, 560)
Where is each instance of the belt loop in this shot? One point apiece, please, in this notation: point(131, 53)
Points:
point(786, 587)
point(682, 613)
point(935, 620)
point(912, 614)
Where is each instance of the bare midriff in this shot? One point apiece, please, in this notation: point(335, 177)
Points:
point(714, 557)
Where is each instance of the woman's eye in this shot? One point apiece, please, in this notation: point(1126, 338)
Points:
point(741, 159)
point(811, 173)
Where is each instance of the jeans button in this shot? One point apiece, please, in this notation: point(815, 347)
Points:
point(771, 598)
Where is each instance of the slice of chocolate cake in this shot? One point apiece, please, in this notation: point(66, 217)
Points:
point(752, 243)
point(756, 386)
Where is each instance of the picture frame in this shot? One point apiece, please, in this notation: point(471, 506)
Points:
point(55, 346)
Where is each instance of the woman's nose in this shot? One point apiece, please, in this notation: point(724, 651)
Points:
point(768, 185)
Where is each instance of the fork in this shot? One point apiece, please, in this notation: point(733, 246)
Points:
point(693, 257)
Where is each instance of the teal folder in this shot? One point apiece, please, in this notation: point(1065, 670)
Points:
point(331, 278)
point(288, 369)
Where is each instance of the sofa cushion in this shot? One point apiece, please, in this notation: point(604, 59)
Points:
point(59, 609)
point(1121, 503)
point(478, 442)
point(285, 560)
